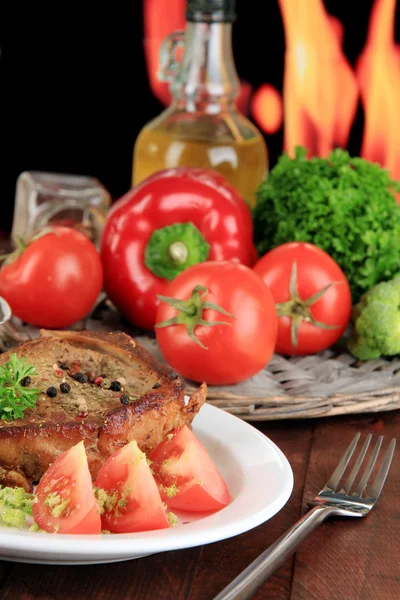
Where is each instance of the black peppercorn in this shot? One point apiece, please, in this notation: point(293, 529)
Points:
point(115, 386)
point(80, 377)
point(156, 385)
point(62, 365)
point(26, 381)
point(124, 399)
point(51, 392)
point(65, 388)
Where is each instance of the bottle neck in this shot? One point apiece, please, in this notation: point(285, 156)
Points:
point(207, 79)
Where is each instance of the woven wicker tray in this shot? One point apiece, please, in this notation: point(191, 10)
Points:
point(327, 384)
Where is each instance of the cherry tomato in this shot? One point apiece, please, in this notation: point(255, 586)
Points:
point(232, 295)
point(55, 281)
point(65, 501)
point(187, 477)
point(312, 295)
point(137, 505)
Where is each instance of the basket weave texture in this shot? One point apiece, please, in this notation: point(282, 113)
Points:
point(330, 383)
point(322, 385)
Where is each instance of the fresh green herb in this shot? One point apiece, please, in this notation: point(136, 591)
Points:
point(344, 205)
point(14, 397)
point(15, 505)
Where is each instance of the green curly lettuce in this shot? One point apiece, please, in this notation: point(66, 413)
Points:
point(344, 205)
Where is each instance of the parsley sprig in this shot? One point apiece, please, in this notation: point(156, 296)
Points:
point(14, 398)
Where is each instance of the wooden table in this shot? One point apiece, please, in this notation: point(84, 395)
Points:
point(343, 560)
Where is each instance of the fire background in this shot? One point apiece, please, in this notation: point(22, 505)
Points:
point(75, 88)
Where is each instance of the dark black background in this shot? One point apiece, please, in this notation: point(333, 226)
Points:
point(75, 92)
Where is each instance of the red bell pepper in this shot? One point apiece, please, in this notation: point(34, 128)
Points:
point(171, 221)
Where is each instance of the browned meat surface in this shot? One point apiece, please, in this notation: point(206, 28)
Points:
point(90, 412)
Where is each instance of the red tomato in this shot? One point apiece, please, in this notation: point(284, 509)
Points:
point(225, 353)
point(172, 220)
point(187, 477)
point(55, 281)
point(137, 505)
point(320, 323)
point(65, 502)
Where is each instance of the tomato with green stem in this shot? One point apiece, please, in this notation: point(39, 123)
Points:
point(312, 297)
point(217, 323)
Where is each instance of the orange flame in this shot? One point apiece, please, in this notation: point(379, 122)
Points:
point(266, 107)
point(378, 73)
point(320, 91)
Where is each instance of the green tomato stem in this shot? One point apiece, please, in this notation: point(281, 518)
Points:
point(190, 313)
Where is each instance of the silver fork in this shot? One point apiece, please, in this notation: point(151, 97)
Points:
point(331, 501)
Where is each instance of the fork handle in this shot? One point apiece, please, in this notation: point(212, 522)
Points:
point(245, 585)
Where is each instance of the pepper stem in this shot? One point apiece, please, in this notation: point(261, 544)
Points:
point(174, 248)
point(178, 252)
point(190, 312)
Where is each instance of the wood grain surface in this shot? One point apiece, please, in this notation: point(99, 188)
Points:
point(353, 559)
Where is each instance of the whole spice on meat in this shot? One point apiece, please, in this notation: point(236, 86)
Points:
point(124, 399)
point(115, 386)
point(51, 392)
point(65, 388)
point(173, 220)
point(80, 377)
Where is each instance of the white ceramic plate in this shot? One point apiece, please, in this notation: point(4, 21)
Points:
point(258, 476)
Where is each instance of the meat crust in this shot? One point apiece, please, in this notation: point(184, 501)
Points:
point(91, 412)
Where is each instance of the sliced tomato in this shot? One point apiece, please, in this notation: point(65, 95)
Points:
point(134, 500)
point(187, 477)
point(65, 501)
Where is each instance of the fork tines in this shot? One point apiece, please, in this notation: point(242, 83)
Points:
point(375, 489)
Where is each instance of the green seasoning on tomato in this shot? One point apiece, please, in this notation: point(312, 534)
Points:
point(15, 505)
point(58, 506)
point(36, 529)
point(105, 500)
point(172, 519)
point(172, 490)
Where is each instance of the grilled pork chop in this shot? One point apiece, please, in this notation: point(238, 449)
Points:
point(118, 392)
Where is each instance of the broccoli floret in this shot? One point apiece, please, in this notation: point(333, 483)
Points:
point(376, 320)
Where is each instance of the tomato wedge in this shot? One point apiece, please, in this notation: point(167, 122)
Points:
point(187, 477)
point(132, 502)
point(65, 501)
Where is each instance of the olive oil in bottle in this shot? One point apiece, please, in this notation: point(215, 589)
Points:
point(202, 127)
